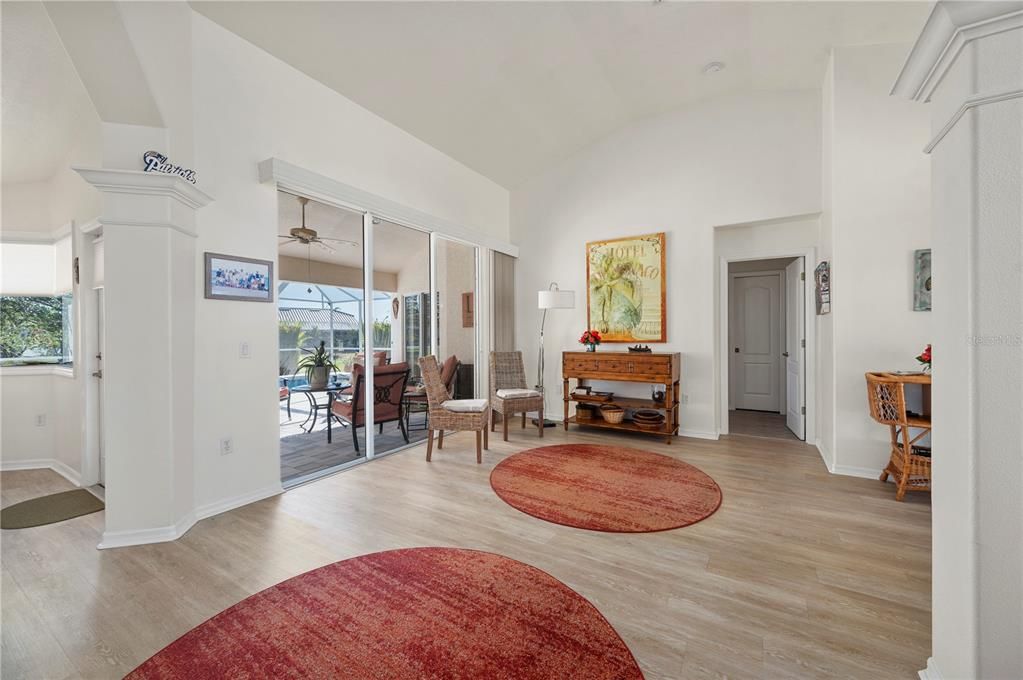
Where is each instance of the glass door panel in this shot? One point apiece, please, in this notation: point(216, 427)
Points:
point(456, 278)
point(401, 330)
point(320, 314)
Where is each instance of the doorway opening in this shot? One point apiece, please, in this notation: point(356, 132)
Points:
point(764, 370)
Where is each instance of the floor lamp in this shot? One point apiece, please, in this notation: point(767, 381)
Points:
point(552, 298)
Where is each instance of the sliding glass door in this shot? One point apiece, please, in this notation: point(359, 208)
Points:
point(361, 300)
point(401, 277)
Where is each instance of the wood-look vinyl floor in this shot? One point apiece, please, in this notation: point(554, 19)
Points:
point(799, 574)
point(760, 424)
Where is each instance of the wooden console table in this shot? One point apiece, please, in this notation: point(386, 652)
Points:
point(636, 367)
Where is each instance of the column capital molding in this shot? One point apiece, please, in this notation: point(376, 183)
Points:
point(145, 183)
point(950, 28)
point(132, 198)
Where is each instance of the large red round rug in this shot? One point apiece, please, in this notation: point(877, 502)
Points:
point(405, 615)
point(605, 488)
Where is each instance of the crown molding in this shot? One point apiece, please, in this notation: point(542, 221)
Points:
point(969, 103)
point(146, 184)
point(294, 179)
point(40, 237)
point(949, 29)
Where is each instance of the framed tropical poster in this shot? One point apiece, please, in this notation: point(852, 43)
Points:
point(625, 289)
point(922, 280)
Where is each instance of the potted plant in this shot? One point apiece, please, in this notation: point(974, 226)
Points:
point(591, 339)
point(317, 365)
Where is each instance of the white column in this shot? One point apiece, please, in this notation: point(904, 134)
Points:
point(151, 281)
point(968, 63)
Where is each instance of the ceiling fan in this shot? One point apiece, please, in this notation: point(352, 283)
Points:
point(307, 236)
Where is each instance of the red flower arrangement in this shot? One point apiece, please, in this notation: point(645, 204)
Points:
point(590, 338)
point(925, 358)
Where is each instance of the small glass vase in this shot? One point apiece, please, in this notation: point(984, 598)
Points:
point(591, 347)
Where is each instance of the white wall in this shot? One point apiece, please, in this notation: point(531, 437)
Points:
point(880, 212)
point(727, 161)
point(249, 107)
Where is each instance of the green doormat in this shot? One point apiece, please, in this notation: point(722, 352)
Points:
point(56, 507)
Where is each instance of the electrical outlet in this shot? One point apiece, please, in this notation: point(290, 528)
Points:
point(243, 350)
point(685, 398)
point(41, 420)
point(226, 446)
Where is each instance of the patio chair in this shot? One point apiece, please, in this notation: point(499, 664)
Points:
point(388, 389)
point(508, 392)
point(445, 413)
point(286, 395)
point(379, 359)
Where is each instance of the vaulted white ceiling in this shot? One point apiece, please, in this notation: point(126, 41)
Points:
point(44, 102)
point(508, 88)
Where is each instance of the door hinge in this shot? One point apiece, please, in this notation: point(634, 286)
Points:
point(802, 343)
point(802, 276)
point(802, 410)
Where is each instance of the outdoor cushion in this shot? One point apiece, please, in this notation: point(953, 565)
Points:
point(517, 393)
point(466, 405)
point(447, 371)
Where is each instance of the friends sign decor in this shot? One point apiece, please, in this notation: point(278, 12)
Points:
point(154, 161)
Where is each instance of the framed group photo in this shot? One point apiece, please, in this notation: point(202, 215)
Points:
point(229, 277)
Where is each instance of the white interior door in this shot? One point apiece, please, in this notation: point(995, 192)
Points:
point(98, 374)
point(795, 352)
point(756, 340)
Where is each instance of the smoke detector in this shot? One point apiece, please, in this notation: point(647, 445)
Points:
point(713, 67)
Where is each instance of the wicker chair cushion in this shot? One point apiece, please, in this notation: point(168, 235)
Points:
point(465, 405)
point(517, 394)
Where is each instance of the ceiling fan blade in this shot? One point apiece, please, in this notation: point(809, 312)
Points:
point(324, 246)
point(344, 241)
point(290, 238)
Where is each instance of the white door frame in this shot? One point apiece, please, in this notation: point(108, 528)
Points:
point(810, 326)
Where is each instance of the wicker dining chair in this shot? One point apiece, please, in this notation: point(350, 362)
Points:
point(445, 413)
point(508, 392)
point(910, 469)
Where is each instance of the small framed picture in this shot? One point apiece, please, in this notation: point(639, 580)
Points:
point(239, 278)
point(822, 279)
point(922, 280)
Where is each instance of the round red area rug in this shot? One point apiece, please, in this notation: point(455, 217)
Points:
point(405, 615)
point(605, 488)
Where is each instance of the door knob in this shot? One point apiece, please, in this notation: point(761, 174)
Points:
point(97, 374)
point(736, 350)
point(784, 354)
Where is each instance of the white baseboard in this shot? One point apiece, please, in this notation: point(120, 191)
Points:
point(211, 509)
point(931, 672)
point(699, 435)
point(61, 468)
point(123, 539)
point(850, 471)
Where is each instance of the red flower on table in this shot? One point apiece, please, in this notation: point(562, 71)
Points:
point(590, 337)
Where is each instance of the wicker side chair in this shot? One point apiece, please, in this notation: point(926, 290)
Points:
point(508, 392)
point(910, 469)
point(445, 413)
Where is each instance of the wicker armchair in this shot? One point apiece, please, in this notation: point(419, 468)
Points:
point(508, 392)
point(445, 413)
point(909, 467)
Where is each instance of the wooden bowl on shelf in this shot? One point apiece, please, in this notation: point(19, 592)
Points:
point(612, 414)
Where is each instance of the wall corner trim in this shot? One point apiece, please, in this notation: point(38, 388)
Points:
point(949, 28)
point(931, 672)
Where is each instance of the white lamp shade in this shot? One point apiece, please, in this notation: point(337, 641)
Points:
point(555, 299)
